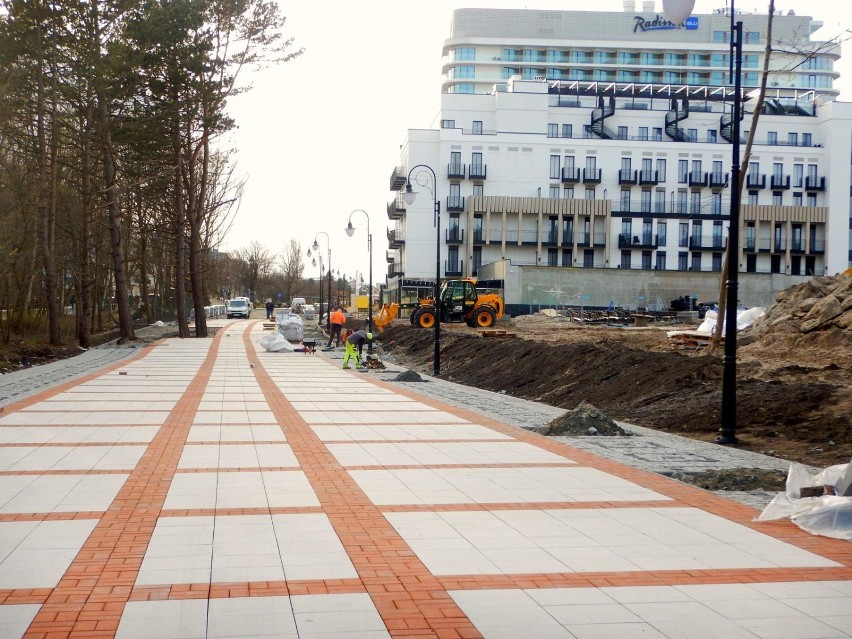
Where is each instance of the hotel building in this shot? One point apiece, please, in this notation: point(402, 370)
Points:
point(590, 151)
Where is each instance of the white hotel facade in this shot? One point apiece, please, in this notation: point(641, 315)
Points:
point(598, 145)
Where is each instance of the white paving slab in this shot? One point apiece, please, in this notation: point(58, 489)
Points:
point(232, 433)
point(424, 454)
point(403, 432)
point(58, 493)
point(497, 486)
point(386, 417)
point(243, 548)
point(237, 456)
point(26, 458)
point(35, 554)
point(271, 489)
point(16, 618)
point(77, 434)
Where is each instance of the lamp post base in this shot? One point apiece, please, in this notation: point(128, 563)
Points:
point(727, 439)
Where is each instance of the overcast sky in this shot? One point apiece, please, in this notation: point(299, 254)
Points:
point(319, 136)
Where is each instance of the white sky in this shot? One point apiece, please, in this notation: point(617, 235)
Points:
point(319, 136)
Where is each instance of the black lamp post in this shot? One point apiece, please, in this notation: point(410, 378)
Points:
point(409, 197)
point(316, 246)
point(350, 231)
point(677, 11)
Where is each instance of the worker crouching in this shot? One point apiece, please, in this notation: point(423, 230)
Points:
point(355, 341)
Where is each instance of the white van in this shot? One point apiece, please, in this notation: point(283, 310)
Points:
point(297, 304)
point(238, 307)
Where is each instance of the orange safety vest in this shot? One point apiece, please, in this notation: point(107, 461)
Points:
point(337, 317)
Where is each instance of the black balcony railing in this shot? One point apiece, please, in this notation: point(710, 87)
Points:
point(550, 239)
point(396, 208)
point(649, 177)
point(817, 246)
point(570, 175)
point(478, 236)
point(718, 180)
point(815, 183)
point(455, 171)
point(627, 176)
point(797, 245)
point(780, 244)
point(592, 176)
point(780, 182)
point(706, 242)
point(755, 181)
point(455, 203)
point(454, 267)
point(476, 171)
point(395, 268)
point(643, 241)
point(583, 239)
point(396, 238)
point(455, 235)
point(697, 178)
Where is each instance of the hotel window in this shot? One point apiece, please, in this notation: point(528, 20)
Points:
point(797, 198)
point(646, 260)
point(626, 228)
point(807, 139)
point(777, 198)
point(568, 193)
point(624, 204)
point(798, 175)
point(812, 171)
point(692, 135)
point(719, 60)
point(711, 136)
point(717, 262)
point(553, 130)
point(512, 55)
point(752, 197)
point(682, 171)
point(720, 36)
point(717, 167)
point(793, 139)
point(812, 199)
point(683, 234)
point(660, 201)
point(626, 165)
point(478, 190)
point(657, 134)
point(643, 133)
point(772, 137)
point(750, 61)
point(717, 203)
point(661, 261)
point(661, 233)
point(778, 169)
point(681, 202)
point(646, 200)
point(682, 261)
point(625, 259)
point(696, 262)
point(554, 167)
point(477, 127)
point(552, 257)
point(672, 77)
point(590, 194)
point(622, 133)
point(661, 170)
point(461, 88)
point(464, 71)
point(464, 53)
point(553, 192)
point(567, 131)
point(569, 163)
point(587, 130)
point(508, 72)
point(448, 124)
point(695, 202)
point(566, 257)
point(752, 37)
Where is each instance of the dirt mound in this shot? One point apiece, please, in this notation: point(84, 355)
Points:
point(736, 479)
point(586, 420)
point(795, 409)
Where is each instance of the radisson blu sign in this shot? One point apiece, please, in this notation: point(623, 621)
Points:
point(659, 23)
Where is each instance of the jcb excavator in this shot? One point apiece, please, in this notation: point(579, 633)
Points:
point(460, 302)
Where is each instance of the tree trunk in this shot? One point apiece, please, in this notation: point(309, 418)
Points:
point(180, 227)
point(196, 219)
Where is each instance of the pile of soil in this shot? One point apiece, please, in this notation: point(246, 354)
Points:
point(737, 479)
point(794, 396)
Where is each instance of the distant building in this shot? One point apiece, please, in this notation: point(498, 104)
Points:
point(601, 140)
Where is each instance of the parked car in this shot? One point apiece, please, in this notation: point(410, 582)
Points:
point(238, 307)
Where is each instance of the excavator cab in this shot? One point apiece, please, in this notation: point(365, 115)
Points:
point(458, 299)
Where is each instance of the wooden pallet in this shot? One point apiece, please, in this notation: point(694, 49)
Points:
point(691, 341)
point(497, 333)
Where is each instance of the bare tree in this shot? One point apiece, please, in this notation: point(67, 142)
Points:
point(292, 268)
point(255, 264)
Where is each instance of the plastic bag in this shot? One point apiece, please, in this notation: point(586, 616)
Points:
point(275, 343)
point(832, 518)
point(290, 326)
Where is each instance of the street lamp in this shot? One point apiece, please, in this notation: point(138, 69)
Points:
point(677, 11)
point(409, 196)
point(350, 231)
point(316, 246)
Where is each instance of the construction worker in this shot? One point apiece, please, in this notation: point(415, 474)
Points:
point(355, 340)
point(338, 319)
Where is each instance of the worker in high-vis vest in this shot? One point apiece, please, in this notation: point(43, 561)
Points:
point(338, 319)
point(355, 341)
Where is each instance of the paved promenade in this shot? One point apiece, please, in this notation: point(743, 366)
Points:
point(206, 488)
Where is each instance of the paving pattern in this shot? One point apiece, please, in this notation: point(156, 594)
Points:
point(206, 488)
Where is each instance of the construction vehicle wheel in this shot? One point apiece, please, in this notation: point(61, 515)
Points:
point(426, 319)
point(413, 317)
point(485, 317)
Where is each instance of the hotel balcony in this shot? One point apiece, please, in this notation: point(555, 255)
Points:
point(455, 171)
point(476, 171)
point(396, 238)
point(570, 175)
point(455, 203)
point(396, 208)
point(755, 181)
point(698, 178)
point(398, 178)
point(707, 243)
point(454, 268)
point(718, 180)
point(592, 176)
point(395, 268)
point(649, 177)
point(815, 183)
point(780, 182)
point(455, 236)
point(637, 241)
point(627, 176)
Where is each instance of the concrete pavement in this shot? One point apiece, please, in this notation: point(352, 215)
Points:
point(206, 488)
